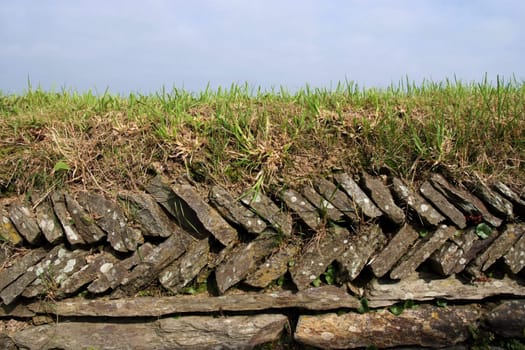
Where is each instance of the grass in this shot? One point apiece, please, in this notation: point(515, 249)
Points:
point(243, 137)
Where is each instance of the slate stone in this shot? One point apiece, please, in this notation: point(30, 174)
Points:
point(182, 271)
point(67, 222)
point(364, 204)
point(86, 274)
point(495, 202)
point(507, 192)
point(8, 231)
point(190, 332)
point(19, 310)
point(469, 204)
point(421, 250)
point(233, 211)
point(48, 222)
point(25, 222)
point(111, 219)
point(423, 287)
point(443, 205)
point(269, 211)
point(425, 325)
point(20, 265)
point(84, 223)
point(471, 251)
point(244, 259)
point(338, 198)
point(360, 249)
point(394, 250)
point(318, 254)
point(515, 257)
point(324, 207)
point(300, 206)
point(424, 211)
point(382, 197)
point(7, 343)
point(275, 266)
point(507, 319)
point(450, 257)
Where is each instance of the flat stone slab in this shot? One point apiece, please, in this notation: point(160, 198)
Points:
point(507, 319)
point(86, 274)
point(443, 205)
point(515, 257)
point(450, 258)
point(84, 223)
point(20, 265)
point(231, 209)
point(423, 287)
point(67, 222)
point(421, 251)
point(25, 222)
point(425, 212)
point(195, 332)
point(15, 310)
point(48, 222)
point(352, 189)
point(7, 230)
point(425, 325)
point(394, 250)
point(338, 198)
point(300, 206)
point(382, 197)
point(269, 211)
point(507, 192)
point(496, 202)
point(325, 208)
point(315, 299)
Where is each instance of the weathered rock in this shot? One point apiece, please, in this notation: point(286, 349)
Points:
point(301, 207)
point(48, 222)
point(324, 207)
point(110, 218)
point(235, 212)
point(496, 202)
point(321, 298)
point(507, 319)
point(244, 259)
point(464, 200)
point(360, 249)
point(6, 342)
point(443, 205)
point(183, 270)
point(337, 197)
point(63, 215)
point(268, 210)
point(86, 274)
point(25, 222)
point(470, 252)
point(421, 250)
point(318, 254)
point(83, 221)
point(425, 212)
point(515, 257)
point(274, 267)
point(394, 250)
point(195, 332)
point(382, 197)
point(447, 259)
point(423, 287)
point(8, 231)
point(423, 326)
point(507, 192)
point(20, 265)
point(15, 310)
point(365, 205)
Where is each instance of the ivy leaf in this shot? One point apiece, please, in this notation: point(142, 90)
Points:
point(61, 166)
point(316, 282)
point(396, 309)
point(483, 230)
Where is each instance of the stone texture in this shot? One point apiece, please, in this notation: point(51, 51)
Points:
point(507, 319)
point(450, 258)
point(231, 209)
point(20, 265)
point(318, 254)
point(421, 250)
point(417, 205)
point(15, 310)
point(443, 205)
point(8, 231)
point(324, 207)
point(63, 215)
point(244, 259)
point(364, 204)
point(25, 222)
point(7, 343)
point(422, 326)
point(48, 222)
point(424, 287)
point(359, 250)
point(83, 221)
point(195, 332)
point(268, 210)
point(300, 206)
point(496, 202)
point(507, 192)
point(469, 204)
point(110, 218)
point(86, 274)
point(337, 197)
point(394, 250)
point(382, 197)
point(515, 257)
point(471, 251)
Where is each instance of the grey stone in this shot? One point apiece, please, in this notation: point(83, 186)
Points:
point(382, 197)
point(421, 250)
point(231, 209)
point(48, 222)
point(325, 208)
point(301, 207)
point(268, 210)
point(507, 319)
point(25, 222)
point(318, 254)
point(450, 257)
point(20, 265)
point(244, 259)
point(425, 212)
point(394, 250)
point(443, 205)
point(496, 202)
point(515, 257)
point(337, 197)
point(365, 205)
point(422, 326)
point(7, 343)
point(63, 215)
point(86, 274)
point(471, 251)
point(83, 221)
point(507, 192)
point(15, 310)
point(190, 332)
point(464, 200)
point(8, 231)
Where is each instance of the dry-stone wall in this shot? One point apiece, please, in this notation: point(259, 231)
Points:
point(81, 270)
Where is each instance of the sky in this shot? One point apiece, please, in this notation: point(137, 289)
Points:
point(141, 46)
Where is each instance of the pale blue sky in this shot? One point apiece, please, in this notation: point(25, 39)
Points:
point(143, 45)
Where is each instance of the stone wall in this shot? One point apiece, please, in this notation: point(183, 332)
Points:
point(434, 264)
